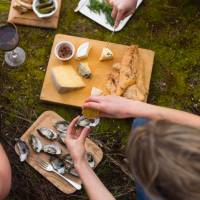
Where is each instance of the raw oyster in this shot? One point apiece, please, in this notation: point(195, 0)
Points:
point(23, 149)
point(61, 126)
point(58, 165)
point(73, 172)
point(68, 159)
point(91, 160)
point(69, 165)
point(48, 133)
point(35, 143)
point(61, 137)
point(83, 122)
point(53, 149)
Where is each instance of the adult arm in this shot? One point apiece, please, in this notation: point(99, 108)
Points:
point(119, 107)
point(75, 141)
point(122, 9)
point(5, 174)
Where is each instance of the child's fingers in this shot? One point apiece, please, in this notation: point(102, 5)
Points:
point(84, 134)
point(71, 127)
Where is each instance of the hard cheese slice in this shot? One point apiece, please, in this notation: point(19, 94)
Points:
point(65, 78)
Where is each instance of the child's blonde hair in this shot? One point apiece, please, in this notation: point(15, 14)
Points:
point(165, 159)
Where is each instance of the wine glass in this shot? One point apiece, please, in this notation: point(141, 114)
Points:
point(9, 40)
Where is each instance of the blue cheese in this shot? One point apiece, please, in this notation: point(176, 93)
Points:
point(106, 54)
point(84, 70)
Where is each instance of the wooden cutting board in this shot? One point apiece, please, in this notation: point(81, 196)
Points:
point(47, 119)
point(30, 18)
point(100, 70)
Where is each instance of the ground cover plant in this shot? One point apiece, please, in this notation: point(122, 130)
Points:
point(170, 28)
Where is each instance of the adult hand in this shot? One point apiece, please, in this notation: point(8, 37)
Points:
point(75, 141)
point(122, 9)
point(113, 106)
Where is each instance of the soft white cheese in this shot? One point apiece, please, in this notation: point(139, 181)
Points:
point(83, 51)
point(96, 91)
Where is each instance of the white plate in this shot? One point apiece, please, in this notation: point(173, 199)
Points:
point(101, 19)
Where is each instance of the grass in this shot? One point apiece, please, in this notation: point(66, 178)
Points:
point(170, 28)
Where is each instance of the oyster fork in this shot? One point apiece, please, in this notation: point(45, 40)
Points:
point(48, 167)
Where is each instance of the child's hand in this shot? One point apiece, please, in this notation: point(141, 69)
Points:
point(122, 9)
point(75, 141)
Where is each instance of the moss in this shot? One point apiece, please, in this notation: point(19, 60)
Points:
point(170, 28)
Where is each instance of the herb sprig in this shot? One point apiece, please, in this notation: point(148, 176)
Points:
point(101, 6)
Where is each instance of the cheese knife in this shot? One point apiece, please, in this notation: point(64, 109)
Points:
point(111, 36)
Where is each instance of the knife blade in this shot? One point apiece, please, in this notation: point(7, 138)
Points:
point(80, 5)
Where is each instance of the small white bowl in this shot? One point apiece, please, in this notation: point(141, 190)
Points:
point(69, 44)
point(40, 15)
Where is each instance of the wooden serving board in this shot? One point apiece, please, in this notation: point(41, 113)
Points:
point(47, 119)
point(100, 70)
point(30, 18)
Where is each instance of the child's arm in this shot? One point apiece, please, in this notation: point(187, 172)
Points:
point(75, 141)
point(5, 174)
point(94, 187)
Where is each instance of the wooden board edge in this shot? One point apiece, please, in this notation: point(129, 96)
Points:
point(45, 25)
point(42, 115)
point(52, 49)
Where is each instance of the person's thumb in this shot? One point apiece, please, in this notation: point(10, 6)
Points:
point(84, 134)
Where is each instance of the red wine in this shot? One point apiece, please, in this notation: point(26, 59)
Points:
point(9, 37)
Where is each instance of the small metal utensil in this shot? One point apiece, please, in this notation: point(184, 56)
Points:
point(48, 167)
point(108, 42)
point(80, 5)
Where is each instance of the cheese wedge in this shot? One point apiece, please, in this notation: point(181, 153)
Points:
point(65, 78)
point(84, 70)
point(106, 54)
point(83, 51)
point(96, 91)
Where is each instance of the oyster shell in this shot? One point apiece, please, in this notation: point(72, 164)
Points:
point(23, 149)
point(69, 165)
point(68, 159)
point(61, 137)
point(48, 133)
point(35, 143)
point(58, 165)
point(61, 126)
point(91, 160)
point(53, 149)
point(84, 122)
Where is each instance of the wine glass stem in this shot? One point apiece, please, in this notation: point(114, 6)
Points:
point(14, 55)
